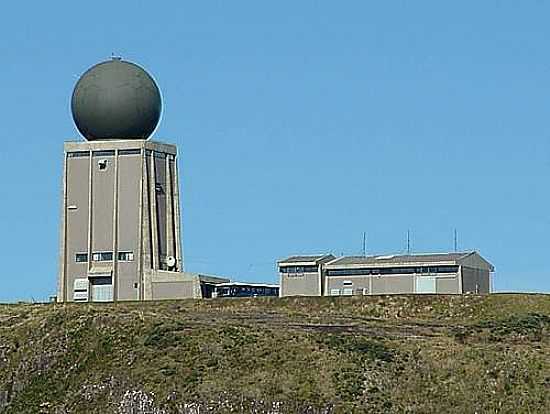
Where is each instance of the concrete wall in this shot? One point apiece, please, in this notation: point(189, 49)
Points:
point(395, 284)
point(447, 284)
point(392, 284)
point(76, 213)
point(307, 284)
point(129, 198)
point(475, 280)
point(173, 290)
point(103, 190)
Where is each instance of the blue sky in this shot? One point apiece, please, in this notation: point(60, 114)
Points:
point(300, 125)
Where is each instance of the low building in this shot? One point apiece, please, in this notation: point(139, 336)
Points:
point(303, 275)
point(444, 273)
point(167, 285)
point(244, 290)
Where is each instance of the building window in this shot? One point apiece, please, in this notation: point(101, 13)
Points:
point(334, 292)
point(129, 152)
point(102, 256)
point(298, 269)
point(81, 257)
point(126, 256)
point(393, 271)
point(107, 153)
point(348, 283)
point(78, 154)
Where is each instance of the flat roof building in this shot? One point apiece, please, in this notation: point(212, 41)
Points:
point(445, 273)
point(302, 275)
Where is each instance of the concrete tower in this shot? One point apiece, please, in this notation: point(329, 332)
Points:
point(120, 224)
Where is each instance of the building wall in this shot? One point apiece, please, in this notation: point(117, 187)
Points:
point(76, 221)
point(129, 199)
point(115, 208)
point(395, 284)
point(308, 284)
point(475, 280)
point(173, 290)
point(103, 190)
point(392, 284)
point(447, 284)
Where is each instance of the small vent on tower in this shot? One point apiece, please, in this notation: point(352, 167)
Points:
point(102, 164)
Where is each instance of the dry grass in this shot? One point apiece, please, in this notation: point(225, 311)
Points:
point(397, 354)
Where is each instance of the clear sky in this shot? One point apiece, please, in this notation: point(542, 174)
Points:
point(300, 125)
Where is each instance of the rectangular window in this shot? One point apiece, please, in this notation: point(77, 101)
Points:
point(129, 152)
point(81, 257)
point(102, 256)
point(78, 154)
point(393, 271)
point(347, 291)
point(126, 256)
point(334, 292)
point(298, 269)
point(107, 153)
point(348, 283)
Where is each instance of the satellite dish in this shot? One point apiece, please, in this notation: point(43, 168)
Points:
point(171, 261)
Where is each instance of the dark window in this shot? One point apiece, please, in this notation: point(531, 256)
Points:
point(129, 152)
point(102, 280)
point(108, 153)
point(298, 269)
point(78, 154)
point(447, 269)
point(126, 256)
point(81, 257)
point(102, 256)
point(392, 271)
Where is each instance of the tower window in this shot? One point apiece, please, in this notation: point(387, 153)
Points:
point(102, 256)
point(81, 257)
point(126, 256)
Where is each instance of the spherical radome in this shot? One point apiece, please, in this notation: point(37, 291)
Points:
point(116, 100)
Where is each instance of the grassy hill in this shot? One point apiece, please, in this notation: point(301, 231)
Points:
point(391, 354)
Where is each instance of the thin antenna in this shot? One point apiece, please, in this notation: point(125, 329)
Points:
point(408, 242)
point(456, 240)
point(364, 244)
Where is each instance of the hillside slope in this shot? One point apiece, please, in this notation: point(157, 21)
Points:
point(417, 354)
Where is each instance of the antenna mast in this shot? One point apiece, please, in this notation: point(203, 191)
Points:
point(456, 241)
point(364, 244)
